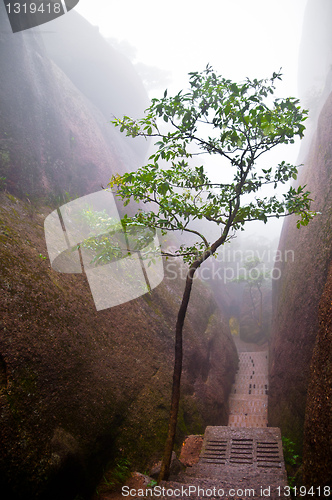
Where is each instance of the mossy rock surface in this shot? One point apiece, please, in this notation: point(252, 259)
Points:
point(78, 387)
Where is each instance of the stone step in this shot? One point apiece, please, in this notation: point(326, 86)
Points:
point(247, 420)
point(235, 464)
point(249, 393)
point(245, 459)
point(248, 401)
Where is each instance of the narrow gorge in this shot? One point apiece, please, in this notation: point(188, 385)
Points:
point(81, 390)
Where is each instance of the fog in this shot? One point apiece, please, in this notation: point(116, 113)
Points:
point(80, 382)
point(238, 38)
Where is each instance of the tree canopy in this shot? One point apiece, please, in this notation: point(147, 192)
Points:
point(238, 122)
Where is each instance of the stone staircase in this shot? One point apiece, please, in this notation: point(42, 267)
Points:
point(248, 399)
point(245, 459)
point(240, 463)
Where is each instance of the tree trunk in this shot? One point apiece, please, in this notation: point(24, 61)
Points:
point(166, 461)
point(165, 465)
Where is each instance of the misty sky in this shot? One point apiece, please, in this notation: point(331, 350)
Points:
point(238, 38)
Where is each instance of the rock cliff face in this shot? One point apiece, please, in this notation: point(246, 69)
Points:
point(54, 135)
point(300, 381)
point(100, 73)
point(79, 385)
point(317, 463)
point(298, 293)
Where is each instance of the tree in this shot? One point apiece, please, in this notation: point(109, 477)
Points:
point(237, 122)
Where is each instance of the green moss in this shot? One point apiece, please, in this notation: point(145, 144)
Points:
point(114, 476)
point(144, 432)
point(192, 416)
point(291, 424)
point(28, 382)
point(20, 389)
point(56, 283)
point(293, 462)
point(4, 162)
point(11, 197)
point(147, 298)
point(153, 305)
point(182, 427)
point(12, 404)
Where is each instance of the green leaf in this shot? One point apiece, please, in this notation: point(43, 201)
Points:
point(241, 123)
point(227, 109)
point(163, 188)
